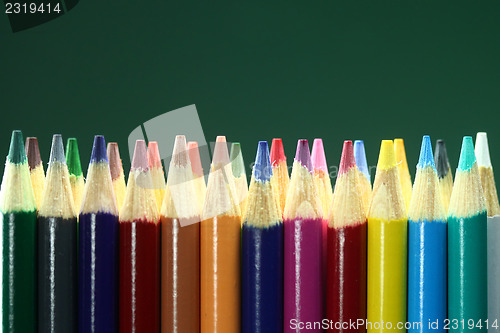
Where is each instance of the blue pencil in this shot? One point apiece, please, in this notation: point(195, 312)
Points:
point(262, 249)
point(98, 247)
point(427, 261)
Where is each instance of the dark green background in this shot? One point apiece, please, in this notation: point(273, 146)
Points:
point(256, 70)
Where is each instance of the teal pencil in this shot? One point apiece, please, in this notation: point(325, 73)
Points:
point(467, 270)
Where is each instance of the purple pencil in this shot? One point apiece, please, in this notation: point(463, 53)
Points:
point(303, 298)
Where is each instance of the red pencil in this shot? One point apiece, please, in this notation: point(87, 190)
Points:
point(139, 297)
point(346, 274)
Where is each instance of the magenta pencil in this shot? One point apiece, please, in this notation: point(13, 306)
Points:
point(303, 293)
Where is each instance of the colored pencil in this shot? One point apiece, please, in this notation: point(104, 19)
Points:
point(157, 174)
point(262, 252)
point(180, 227)
point(427, 261)
point(467, 250)
point(280, 177)
point(364, 172)
point(98, 247)
point(404, 172)
point(387, 240)
point(198, 174)
point(18, 220)
point(444, 173)
point(117, 175)
point(303, 224)
point(139, 258)
point(240, 176)
point(57, 248)
point(36, 168)
point(346, 274)
point(75, 172)
point(322, 178)
point(220, 248)
point(324, 191)
point(493, 210)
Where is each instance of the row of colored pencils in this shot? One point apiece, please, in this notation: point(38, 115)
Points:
point(278, 256)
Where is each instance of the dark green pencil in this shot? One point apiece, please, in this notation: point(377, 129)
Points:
point(18, 220)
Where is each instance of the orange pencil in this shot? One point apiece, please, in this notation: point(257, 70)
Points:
point(220, 248)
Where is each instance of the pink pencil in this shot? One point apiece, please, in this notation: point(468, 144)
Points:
point(325, 192)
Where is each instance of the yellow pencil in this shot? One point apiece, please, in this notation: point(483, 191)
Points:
point(387, 247)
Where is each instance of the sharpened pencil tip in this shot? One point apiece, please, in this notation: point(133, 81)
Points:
point(426, 157)
point(262, 169)
point(221, 154)
point(33, 152)
point(467, 155)
point(195, 159)
point(236, 157)
point(318, 156)
point(277, 151)
point(140, 159)
point(399, 148)
point(387, 156)
point(99, 153)
point(441, 159)
point(17, 154)
point(154, 158)
point(115, 162)
point(73, 157)
point(303, 155)
point(347, 160)
point(180, 155)
point(360, 157)
point(482, 150)
point(57, 150)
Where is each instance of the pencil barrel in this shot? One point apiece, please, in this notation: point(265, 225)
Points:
point(467, 271)
point(57, 275)
point(303, 294)
point(427, 268)
point(262, 279)
point(98, 273)
point(220, 274)
point(493, 271)
point(346, 276)
point(139, 287)
point(386, 288)
point(180, 276)
point(19, 271)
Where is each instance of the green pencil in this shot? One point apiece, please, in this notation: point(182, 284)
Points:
point(18, 219)
point(75, 172)
point(467, 270)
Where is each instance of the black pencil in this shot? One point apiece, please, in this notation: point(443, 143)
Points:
point(57, 248)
